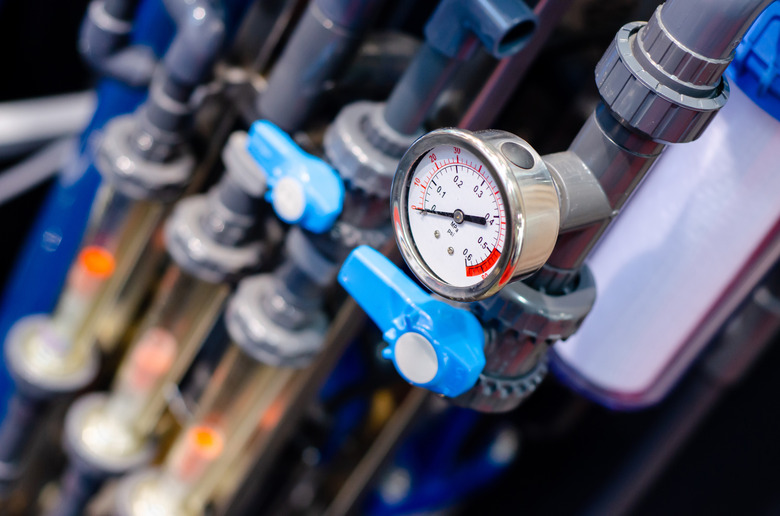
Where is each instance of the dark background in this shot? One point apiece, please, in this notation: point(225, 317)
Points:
point(573, 452)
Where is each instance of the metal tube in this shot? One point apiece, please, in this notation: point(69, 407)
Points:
point(24, 123)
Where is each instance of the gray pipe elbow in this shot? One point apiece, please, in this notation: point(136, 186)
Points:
point(103, 45)
point(712, 28)
point(199, 38)
point(503, 26)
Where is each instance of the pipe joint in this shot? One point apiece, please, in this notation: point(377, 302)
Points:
point(641, 102)
point(524, 322)
point(199, 39)
point(502, 26)
point(103, 43)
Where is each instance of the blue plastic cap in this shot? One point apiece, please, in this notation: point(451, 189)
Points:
point(432, 344)
point(755, 67)
point(303, 189)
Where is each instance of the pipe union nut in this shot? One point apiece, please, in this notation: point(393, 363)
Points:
point(363, 149)
point(642, 103)
point(261, 337)
point(125, 170)
point(532, 314)
point(196, 252)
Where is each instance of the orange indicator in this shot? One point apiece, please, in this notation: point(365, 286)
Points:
point(200, 446)
point(207, 441)
point(97, 261)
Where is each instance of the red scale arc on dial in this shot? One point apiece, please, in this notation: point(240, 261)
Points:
point(484, 265)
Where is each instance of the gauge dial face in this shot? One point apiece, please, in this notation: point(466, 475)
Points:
point(456, 216)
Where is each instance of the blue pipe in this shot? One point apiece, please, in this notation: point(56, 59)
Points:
point(43, 262)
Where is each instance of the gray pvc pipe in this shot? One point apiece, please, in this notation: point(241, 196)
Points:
point(103, 43)
point(712, 28)
point(325, 38)
point(618, 157)
point(35, 169)
point(166, 114)
point(418, 89)
point(200, 33)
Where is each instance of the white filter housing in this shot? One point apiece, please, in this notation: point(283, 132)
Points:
point(691, 230)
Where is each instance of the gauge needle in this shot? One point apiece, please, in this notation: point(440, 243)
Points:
point(457, 215)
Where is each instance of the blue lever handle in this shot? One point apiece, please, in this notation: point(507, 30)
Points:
point(303, 189)
point(432, 344)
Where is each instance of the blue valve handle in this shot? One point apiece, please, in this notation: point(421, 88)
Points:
point(303, 189)
point(432, 344)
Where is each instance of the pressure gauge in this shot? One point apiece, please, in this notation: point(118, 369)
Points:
point(473, 211)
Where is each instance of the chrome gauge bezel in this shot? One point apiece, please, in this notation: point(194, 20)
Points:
point(509, 190)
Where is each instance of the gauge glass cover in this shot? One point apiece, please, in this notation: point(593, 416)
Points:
point(456, 215)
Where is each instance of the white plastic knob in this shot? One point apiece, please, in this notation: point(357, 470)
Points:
point(415, 358)
point(289, 199)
